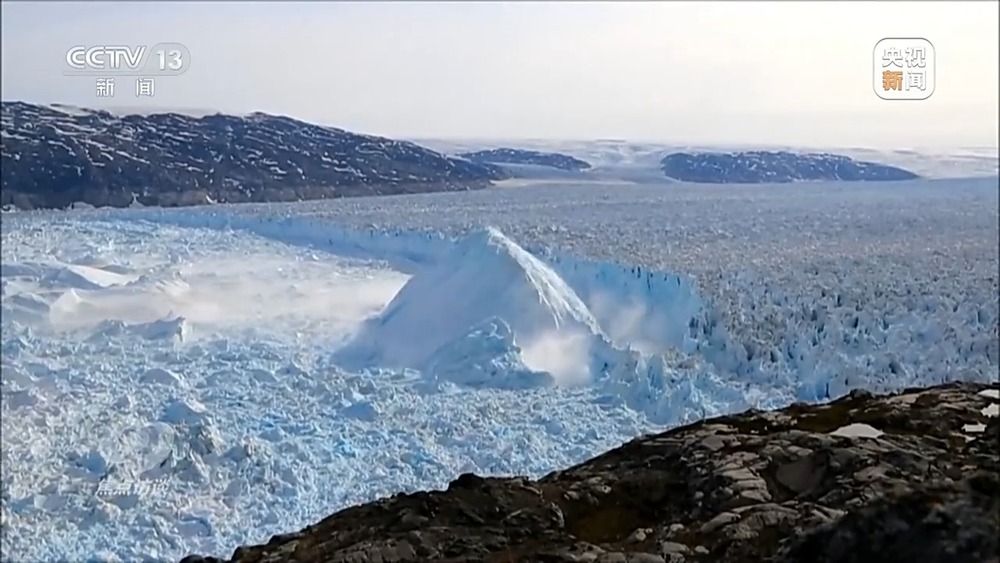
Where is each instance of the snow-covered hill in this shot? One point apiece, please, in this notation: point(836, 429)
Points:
point(635, 161)
point(54, 156)
point(759, 167)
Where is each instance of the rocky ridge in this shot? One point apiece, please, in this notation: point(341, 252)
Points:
point(524, 156)
point(906, 477)
point(758, 167)
point(55, 156)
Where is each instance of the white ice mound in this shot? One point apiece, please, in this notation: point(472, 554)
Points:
point(71, 276)
point(485, 357)
point(486, 276)
point(25, 308)
point(171, 327)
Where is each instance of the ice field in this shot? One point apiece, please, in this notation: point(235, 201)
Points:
point(189, 380)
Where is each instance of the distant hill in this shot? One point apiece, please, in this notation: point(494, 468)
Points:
point(53, 156)
point(758, 167)
point(522, 156)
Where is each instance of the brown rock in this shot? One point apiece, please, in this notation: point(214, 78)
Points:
point(749, 487)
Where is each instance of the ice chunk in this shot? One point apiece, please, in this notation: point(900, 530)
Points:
point(487, 276)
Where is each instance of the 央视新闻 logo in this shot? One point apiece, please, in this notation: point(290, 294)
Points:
point(903, 68)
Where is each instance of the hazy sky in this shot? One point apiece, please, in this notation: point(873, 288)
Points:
point(700, 72)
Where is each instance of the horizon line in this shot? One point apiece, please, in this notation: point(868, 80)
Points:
point(204, 112)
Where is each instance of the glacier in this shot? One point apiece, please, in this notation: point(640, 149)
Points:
point(200, 359)
point(645, 312)
point(656, 319)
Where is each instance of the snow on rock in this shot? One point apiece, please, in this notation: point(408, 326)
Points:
point(976, 428)
point(620, 158)
point(169, 159)
point(753, 167)
point(487, 276)
point(857, 430)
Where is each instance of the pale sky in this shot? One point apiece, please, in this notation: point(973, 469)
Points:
point(789, 73)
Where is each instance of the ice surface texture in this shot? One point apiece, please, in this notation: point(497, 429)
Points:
point(824, 289)
point(123, 363)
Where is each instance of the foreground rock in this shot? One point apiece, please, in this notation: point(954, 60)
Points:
point(792, 485)
point(55, 156)
point(759, 167)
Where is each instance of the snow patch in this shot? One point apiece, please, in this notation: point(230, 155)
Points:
point(857, 430)
point(638, 161)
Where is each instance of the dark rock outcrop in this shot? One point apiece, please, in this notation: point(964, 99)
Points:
point(523, 156)
point(53, 156)
point(758, 167)
point(783, 486)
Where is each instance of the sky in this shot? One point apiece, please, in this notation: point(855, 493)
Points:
point(785, 73)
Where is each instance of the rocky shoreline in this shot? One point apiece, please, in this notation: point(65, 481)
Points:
point(57, 156)
point(906, 477)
